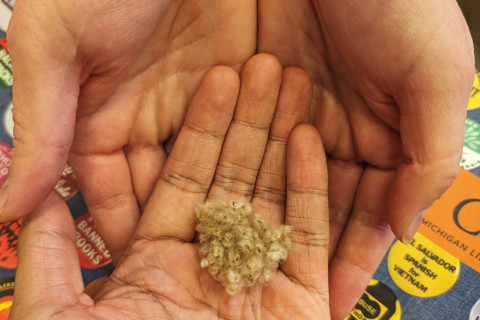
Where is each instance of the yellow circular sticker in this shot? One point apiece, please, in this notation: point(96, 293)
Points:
point(378, 302)
point(422, 268)
point(474, 102)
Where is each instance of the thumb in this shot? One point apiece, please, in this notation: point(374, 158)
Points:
point(433, 104)
point(45, 95)
point(48, 275)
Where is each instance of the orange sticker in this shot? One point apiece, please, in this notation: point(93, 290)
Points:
point(453, 221)
point(8, 244)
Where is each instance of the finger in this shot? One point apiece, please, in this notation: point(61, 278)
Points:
point(432, 101)
point(145, 163)
point(105, 181)
point(103, 171)
point(47, 262)
point(343, 180)
point(432, 135)
point(145, 156)
point(293, 108)
point(247, 136)
point(189, 170)
point(363, 244)
point(45, 98)
point(307, 211)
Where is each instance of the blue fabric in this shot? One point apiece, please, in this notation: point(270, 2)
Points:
point(452, 305)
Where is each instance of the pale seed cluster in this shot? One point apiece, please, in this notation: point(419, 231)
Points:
point(237, 246)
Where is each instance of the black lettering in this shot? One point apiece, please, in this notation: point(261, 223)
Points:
point(456, 213)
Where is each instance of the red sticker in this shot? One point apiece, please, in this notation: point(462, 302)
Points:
point(8, 231)
point(91, 249)
point(3, 43)
point(67, 185)
point(8, 244)
point(5, 161)
point(7, 288)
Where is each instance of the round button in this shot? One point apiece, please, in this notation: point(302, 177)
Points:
point(92, 252)
point(475, 312)
point(422, 268)
point(378, 302)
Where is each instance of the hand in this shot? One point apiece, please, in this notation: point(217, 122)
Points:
point(107, 84)
point(160, 275)
point(391, 84)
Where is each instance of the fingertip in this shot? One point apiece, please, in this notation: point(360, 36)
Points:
point(261, 79)
point(415, 189)
point(215, 97)
point(305, 143)
point(263, 62)
point(224, 82)
point(297, 90)
point(299, 78)
point(51, 214)
point(222, 76)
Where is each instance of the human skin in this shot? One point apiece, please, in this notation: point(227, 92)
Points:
point(159, 275)
point(391, 84)
point(106, 85)
point(112, 100)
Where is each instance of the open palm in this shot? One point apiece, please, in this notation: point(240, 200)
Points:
point(391, 84)
point(110, 91)
point(159, 276)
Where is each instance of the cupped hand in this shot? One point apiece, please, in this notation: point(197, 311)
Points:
point(391, 84)
point(107, 85)
point(229, 148)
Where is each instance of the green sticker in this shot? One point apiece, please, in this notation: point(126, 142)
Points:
point(471, 147)
point(6, 77)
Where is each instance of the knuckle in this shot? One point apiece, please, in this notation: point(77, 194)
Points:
point(306, 190)
point(372, 220)
point(207, 133)
point(270, 194)
point(279, 139)
point(253, 125)
point(109, 203)
point(235, 178)
point(191, 181)
point(311, 239)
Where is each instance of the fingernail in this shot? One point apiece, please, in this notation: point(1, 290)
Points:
point(408, 234)
point(3, 196)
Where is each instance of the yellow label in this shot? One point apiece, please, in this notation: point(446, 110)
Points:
point(474, 102)
point(378, 302)
point(422, 268)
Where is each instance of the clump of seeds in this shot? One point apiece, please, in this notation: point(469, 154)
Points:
point(237, 246)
